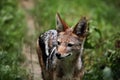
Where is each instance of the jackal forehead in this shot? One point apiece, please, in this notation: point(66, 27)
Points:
point(73, 39)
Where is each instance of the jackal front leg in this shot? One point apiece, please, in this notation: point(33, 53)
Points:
point(79, 70)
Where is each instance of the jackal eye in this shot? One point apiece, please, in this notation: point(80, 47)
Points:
point(58, 42)
point(70, 45)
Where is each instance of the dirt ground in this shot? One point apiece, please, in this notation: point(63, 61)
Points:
point(31, 59)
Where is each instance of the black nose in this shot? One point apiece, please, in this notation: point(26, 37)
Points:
point(58, 55)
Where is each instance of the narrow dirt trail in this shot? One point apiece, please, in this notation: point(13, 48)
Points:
point(31, 63)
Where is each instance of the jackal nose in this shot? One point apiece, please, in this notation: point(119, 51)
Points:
point(58, 55)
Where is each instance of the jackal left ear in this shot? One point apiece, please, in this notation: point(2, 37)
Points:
point(60, 24)
point(81, 28)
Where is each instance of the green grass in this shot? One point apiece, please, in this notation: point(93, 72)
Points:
point(101, 52)
point(12, 31)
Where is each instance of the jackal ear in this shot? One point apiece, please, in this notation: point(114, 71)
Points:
point(60, 24)
point(81, 28)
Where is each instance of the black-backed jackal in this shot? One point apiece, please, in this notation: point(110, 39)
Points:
point(60, 51)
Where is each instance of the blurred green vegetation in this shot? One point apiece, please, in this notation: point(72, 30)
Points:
point(12, 31)
point(102, 53)
point(101, 57)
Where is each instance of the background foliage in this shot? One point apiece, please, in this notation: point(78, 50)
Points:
point(101, 57)
point(102, 53)
point(12, 31)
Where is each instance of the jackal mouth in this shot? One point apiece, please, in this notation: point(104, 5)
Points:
point(59, 56)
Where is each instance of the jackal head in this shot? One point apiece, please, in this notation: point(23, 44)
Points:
point(70, 40)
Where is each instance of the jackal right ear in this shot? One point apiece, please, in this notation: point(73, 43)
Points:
point(60, 24)
point(81, 28)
